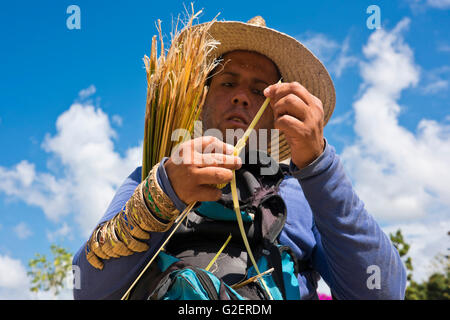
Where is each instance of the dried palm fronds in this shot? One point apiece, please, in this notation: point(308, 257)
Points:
point(175, 87)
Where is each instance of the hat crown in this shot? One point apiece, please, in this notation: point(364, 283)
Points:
point(257, 21)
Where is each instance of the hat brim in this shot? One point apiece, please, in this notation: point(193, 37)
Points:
point(294, 61)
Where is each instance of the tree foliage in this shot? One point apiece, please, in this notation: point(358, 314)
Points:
point(436, 287)
point(50, 274)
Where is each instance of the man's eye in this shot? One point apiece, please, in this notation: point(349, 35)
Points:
point(227, 84)
point(258, 92)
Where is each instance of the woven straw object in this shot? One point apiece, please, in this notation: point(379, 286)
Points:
point(294, 61)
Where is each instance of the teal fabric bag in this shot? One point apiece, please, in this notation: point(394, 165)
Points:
point(190, 283)
point(216, 211)
point(289, 276)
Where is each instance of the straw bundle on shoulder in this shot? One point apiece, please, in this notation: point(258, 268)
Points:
point(175, 88)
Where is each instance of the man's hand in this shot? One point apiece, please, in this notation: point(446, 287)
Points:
point(299, 115)
point(198, 165)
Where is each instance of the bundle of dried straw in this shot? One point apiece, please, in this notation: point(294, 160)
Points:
point(176, 87)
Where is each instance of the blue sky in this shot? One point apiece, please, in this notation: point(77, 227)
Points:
point(63, 90)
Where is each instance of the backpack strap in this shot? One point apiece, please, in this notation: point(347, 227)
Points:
point(275, 260)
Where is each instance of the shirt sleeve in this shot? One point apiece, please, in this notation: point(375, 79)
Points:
point(360, 260)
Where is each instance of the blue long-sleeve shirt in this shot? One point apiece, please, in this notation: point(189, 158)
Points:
point(326, 222)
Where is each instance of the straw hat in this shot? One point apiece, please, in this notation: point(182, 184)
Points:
point(294, 61)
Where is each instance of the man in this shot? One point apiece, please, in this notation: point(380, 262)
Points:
point(326, 224)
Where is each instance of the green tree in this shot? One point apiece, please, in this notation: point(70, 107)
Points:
point(438, 284)
point(403, 248)
point(437, 287)
point(50, 274)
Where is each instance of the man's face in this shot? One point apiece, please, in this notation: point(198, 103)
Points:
point(236, 92)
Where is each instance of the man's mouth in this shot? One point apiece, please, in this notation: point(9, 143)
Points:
point(237, 119)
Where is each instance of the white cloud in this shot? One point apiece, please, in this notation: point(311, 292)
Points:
point(13, 279)
point(319, 44)
point(437, 80)
point(440, 4)
point(22, 230)
point(117, 120)
point(63, 232)
point(343, 59)
point(85, 93)
point(421, 5)
point(402, 176)
point(333, 54)
point(344, 118)
point(37, 189)
point(436, 86)
point(12, 273)
point(443, 47)
point(403, 164)
point(92, 169)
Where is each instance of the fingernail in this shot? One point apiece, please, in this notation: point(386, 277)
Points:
point(267, 91)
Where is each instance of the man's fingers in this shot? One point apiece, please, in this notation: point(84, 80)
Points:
point(277, 91)
point(286, 122)
point(189, 151)
point(213, 175)
point(218, 160)
point(295, 100)
point(291, 105)
point(210, 144)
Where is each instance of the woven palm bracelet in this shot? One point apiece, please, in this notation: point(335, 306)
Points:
point(107, 245)
point(151, 203)
point(118, 247)
point(92, 258)
point(164, 203)
point(95, 245)
point(124, 235)
point(144, 215)
point(133, 213)
point(133, 226)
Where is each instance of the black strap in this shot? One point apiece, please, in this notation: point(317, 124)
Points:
point(274, 259)
point(285, 169)
point(158, 285)
point(207, 283)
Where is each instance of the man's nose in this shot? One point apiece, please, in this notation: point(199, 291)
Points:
point(241, 99)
